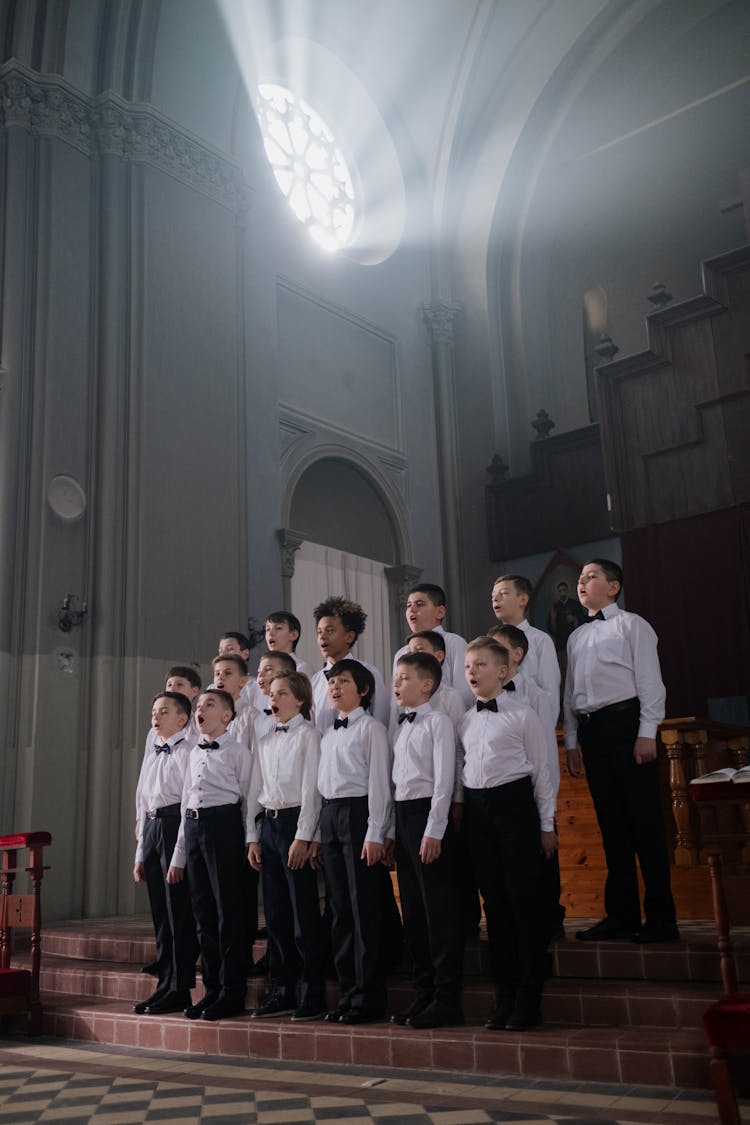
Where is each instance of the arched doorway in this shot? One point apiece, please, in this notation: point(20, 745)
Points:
point(348, 540)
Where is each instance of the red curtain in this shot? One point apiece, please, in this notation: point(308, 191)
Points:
point(691, 579)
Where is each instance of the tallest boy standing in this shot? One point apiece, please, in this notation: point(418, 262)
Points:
point(614, 702)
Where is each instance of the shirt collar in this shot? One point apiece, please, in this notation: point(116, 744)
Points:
point(421, 710)
point(295, 722)
point(354, 716)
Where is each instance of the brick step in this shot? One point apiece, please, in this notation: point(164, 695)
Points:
point(569, 1002)
point(677, 1057)
point(693, 958)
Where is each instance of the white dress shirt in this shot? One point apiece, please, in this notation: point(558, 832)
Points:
point(547, 708)
point(448, 701)
point(302, 666)
point(506, 746)
point(285, 775)
point(242, 726)
point(610, 661)
point(263, 721)
point(540, 663)
point(424, 764)
point(454, 672)
point(191, 734)
point(161, 780)
point(324, 713)
point(355, 761)
point(214, 777)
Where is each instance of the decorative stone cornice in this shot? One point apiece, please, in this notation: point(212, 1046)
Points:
point(440, 319)
point(108, 125)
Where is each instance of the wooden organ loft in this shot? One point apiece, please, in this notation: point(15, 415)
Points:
point(671, 452)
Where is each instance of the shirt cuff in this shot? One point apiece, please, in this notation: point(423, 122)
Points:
point(647, 729)
point(435, 829)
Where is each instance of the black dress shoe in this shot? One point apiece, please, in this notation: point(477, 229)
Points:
point(169, 1002)
point(526, 1014)
point(152, 969)
point(334, 1016)
point(501, 1014)
point(224, 1008)
point(657, 933)
point(438, 1014)
point(360, 1015)
point(309, 1010)
point(415, 1008)
point(142, 1005)
point(195, 1011)
point(276, 1005)
point(609, 929)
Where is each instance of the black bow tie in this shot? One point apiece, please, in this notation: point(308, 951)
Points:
point(281, 730)
point(162, 747)
point(340, 723)
point(267, 711)
point(490, 705)
point(407, 717)
point(595, 617)
point(208, 746)
point(510, 686)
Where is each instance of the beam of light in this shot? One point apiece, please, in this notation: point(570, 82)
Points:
point(722, 90)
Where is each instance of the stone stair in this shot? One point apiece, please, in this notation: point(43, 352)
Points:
point(613, 1012)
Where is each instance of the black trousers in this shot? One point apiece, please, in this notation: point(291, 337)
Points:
point(296, 944)
point(174, 928)
point(215, 847)
point(430, 902)
point(627, 801)
point(503, 834)
point(354, 893)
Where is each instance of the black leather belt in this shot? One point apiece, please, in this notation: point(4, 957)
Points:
point(623, 705)
point(212, 810)
point(165, 810)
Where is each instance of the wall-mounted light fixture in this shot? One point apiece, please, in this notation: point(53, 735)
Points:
point(71, 612)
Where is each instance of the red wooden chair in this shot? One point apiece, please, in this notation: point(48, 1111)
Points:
point(727, 1022)
point(19, 988)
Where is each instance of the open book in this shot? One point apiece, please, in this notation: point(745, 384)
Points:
point(728, 774)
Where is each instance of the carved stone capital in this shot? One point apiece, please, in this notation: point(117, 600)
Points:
point(400, 580)
point(440, 319)
point(290, 542)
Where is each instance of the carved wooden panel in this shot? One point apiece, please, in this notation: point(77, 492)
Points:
point(675, 418)
point(561, 502)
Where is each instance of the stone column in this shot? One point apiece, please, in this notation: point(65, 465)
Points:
point(110, 598)
point(440, 319)
point(20, 175)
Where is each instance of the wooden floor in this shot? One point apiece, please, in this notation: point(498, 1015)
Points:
point(583, 869)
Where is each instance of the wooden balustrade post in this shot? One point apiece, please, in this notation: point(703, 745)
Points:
point(685, 852)
point(738, 749)
point(7, 876)
point(698, 742)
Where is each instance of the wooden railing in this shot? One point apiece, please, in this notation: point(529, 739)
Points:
point(694, 747)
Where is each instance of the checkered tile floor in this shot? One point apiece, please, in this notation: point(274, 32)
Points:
point(49, 1082)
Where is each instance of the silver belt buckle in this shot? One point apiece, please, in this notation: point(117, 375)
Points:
point(273, 814)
